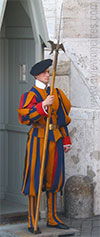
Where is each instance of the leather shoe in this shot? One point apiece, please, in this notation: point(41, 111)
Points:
point(59, 226)
point(31, 229)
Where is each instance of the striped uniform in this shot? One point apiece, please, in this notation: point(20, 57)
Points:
point(32, 113)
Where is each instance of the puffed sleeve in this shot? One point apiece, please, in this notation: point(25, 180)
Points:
point(30, 111)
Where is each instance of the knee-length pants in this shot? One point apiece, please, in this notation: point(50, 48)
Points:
point(54, 166)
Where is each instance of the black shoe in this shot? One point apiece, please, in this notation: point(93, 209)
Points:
point(31, 229)
point(59, 226)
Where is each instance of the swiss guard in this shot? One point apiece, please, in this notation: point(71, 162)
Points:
point(33, 111)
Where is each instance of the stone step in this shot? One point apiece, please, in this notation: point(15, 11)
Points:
point(9, 218)
point(22, 230)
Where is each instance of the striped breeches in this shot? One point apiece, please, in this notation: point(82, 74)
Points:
point(54, 166)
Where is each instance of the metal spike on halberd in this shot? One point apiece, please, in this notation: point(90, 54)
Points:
point(54, 46)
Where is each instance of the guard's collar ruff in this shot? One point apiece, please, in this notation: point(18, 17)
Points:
point(40, 84)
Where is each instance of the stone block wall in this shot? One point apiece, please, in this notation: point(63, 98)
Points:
point(79, 16)
point(78, 75)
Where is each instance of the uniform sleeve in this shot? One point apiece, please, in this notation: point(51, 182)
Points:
point(66, 101)
point(66, 137)
point(66, 105)
point(31, 113)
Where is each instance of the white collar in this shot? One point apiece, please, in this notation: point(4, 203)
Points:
point(40, 84)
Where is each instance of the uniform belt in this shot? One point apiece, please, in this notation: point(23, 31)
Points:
point(51, 126)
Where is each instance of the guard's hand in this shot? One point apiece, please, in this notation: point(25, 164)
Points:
point(49, 100)
point(66, 148)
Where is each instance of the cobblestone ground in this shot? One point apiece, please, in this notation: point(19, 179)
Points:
point(89, 227)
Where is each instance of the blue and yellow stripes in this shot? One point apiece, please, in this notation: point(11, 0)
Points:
point(54, 166)
point(31, 112)
point(31, 211)
point(52, 218)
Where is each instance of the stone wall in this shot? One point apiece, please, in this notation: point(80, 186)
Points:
point(79, 16)
point(78, 75)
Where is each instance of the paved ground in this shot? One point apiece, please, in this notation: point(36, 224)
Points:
point(89, 227)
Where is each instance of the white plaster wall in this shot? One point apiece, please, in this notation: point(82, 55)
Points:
point(78, 75)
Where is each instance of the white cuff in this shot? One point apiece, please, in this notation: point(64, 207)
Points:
point(68, 145)
point(44, 108)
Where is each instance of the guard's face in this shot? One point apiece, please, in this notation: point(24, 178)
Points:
point(44, 76)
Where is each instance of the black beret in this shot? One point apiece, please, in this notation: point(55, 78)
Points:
point(40, 67)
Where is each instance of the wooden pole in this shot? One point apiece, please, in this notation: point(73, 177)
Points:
point(46, 133)
point(44, 155)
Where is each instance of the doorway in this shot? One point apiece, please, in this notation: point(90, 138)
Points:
point(17, 57)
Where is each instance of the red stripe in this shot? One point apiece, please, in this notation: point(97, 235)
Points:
point(21, 101)
point(20, 106)
point(55, 166)
point(40, 109)
point(33, 102)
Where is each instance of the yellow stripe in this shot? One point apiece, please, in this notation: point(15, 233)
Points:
point(33, 115)
point(32, 188)
point(63, 132)
point(26, 122)
point(23, 111)
point(56, 134)
point(27, 165)
point(35, 201)
point(41, 148)
point(29, 98)
point(54, 118)
point(41, 132)
point(67, 118)
point(29, 221)
point(32, 215)
point(50, 206)
point(50, 213)
point(65, 101)
point(55, 205)
point(42, 92)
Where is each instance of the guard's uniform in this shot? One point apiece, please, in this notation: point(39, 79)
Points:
point(31, 112)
